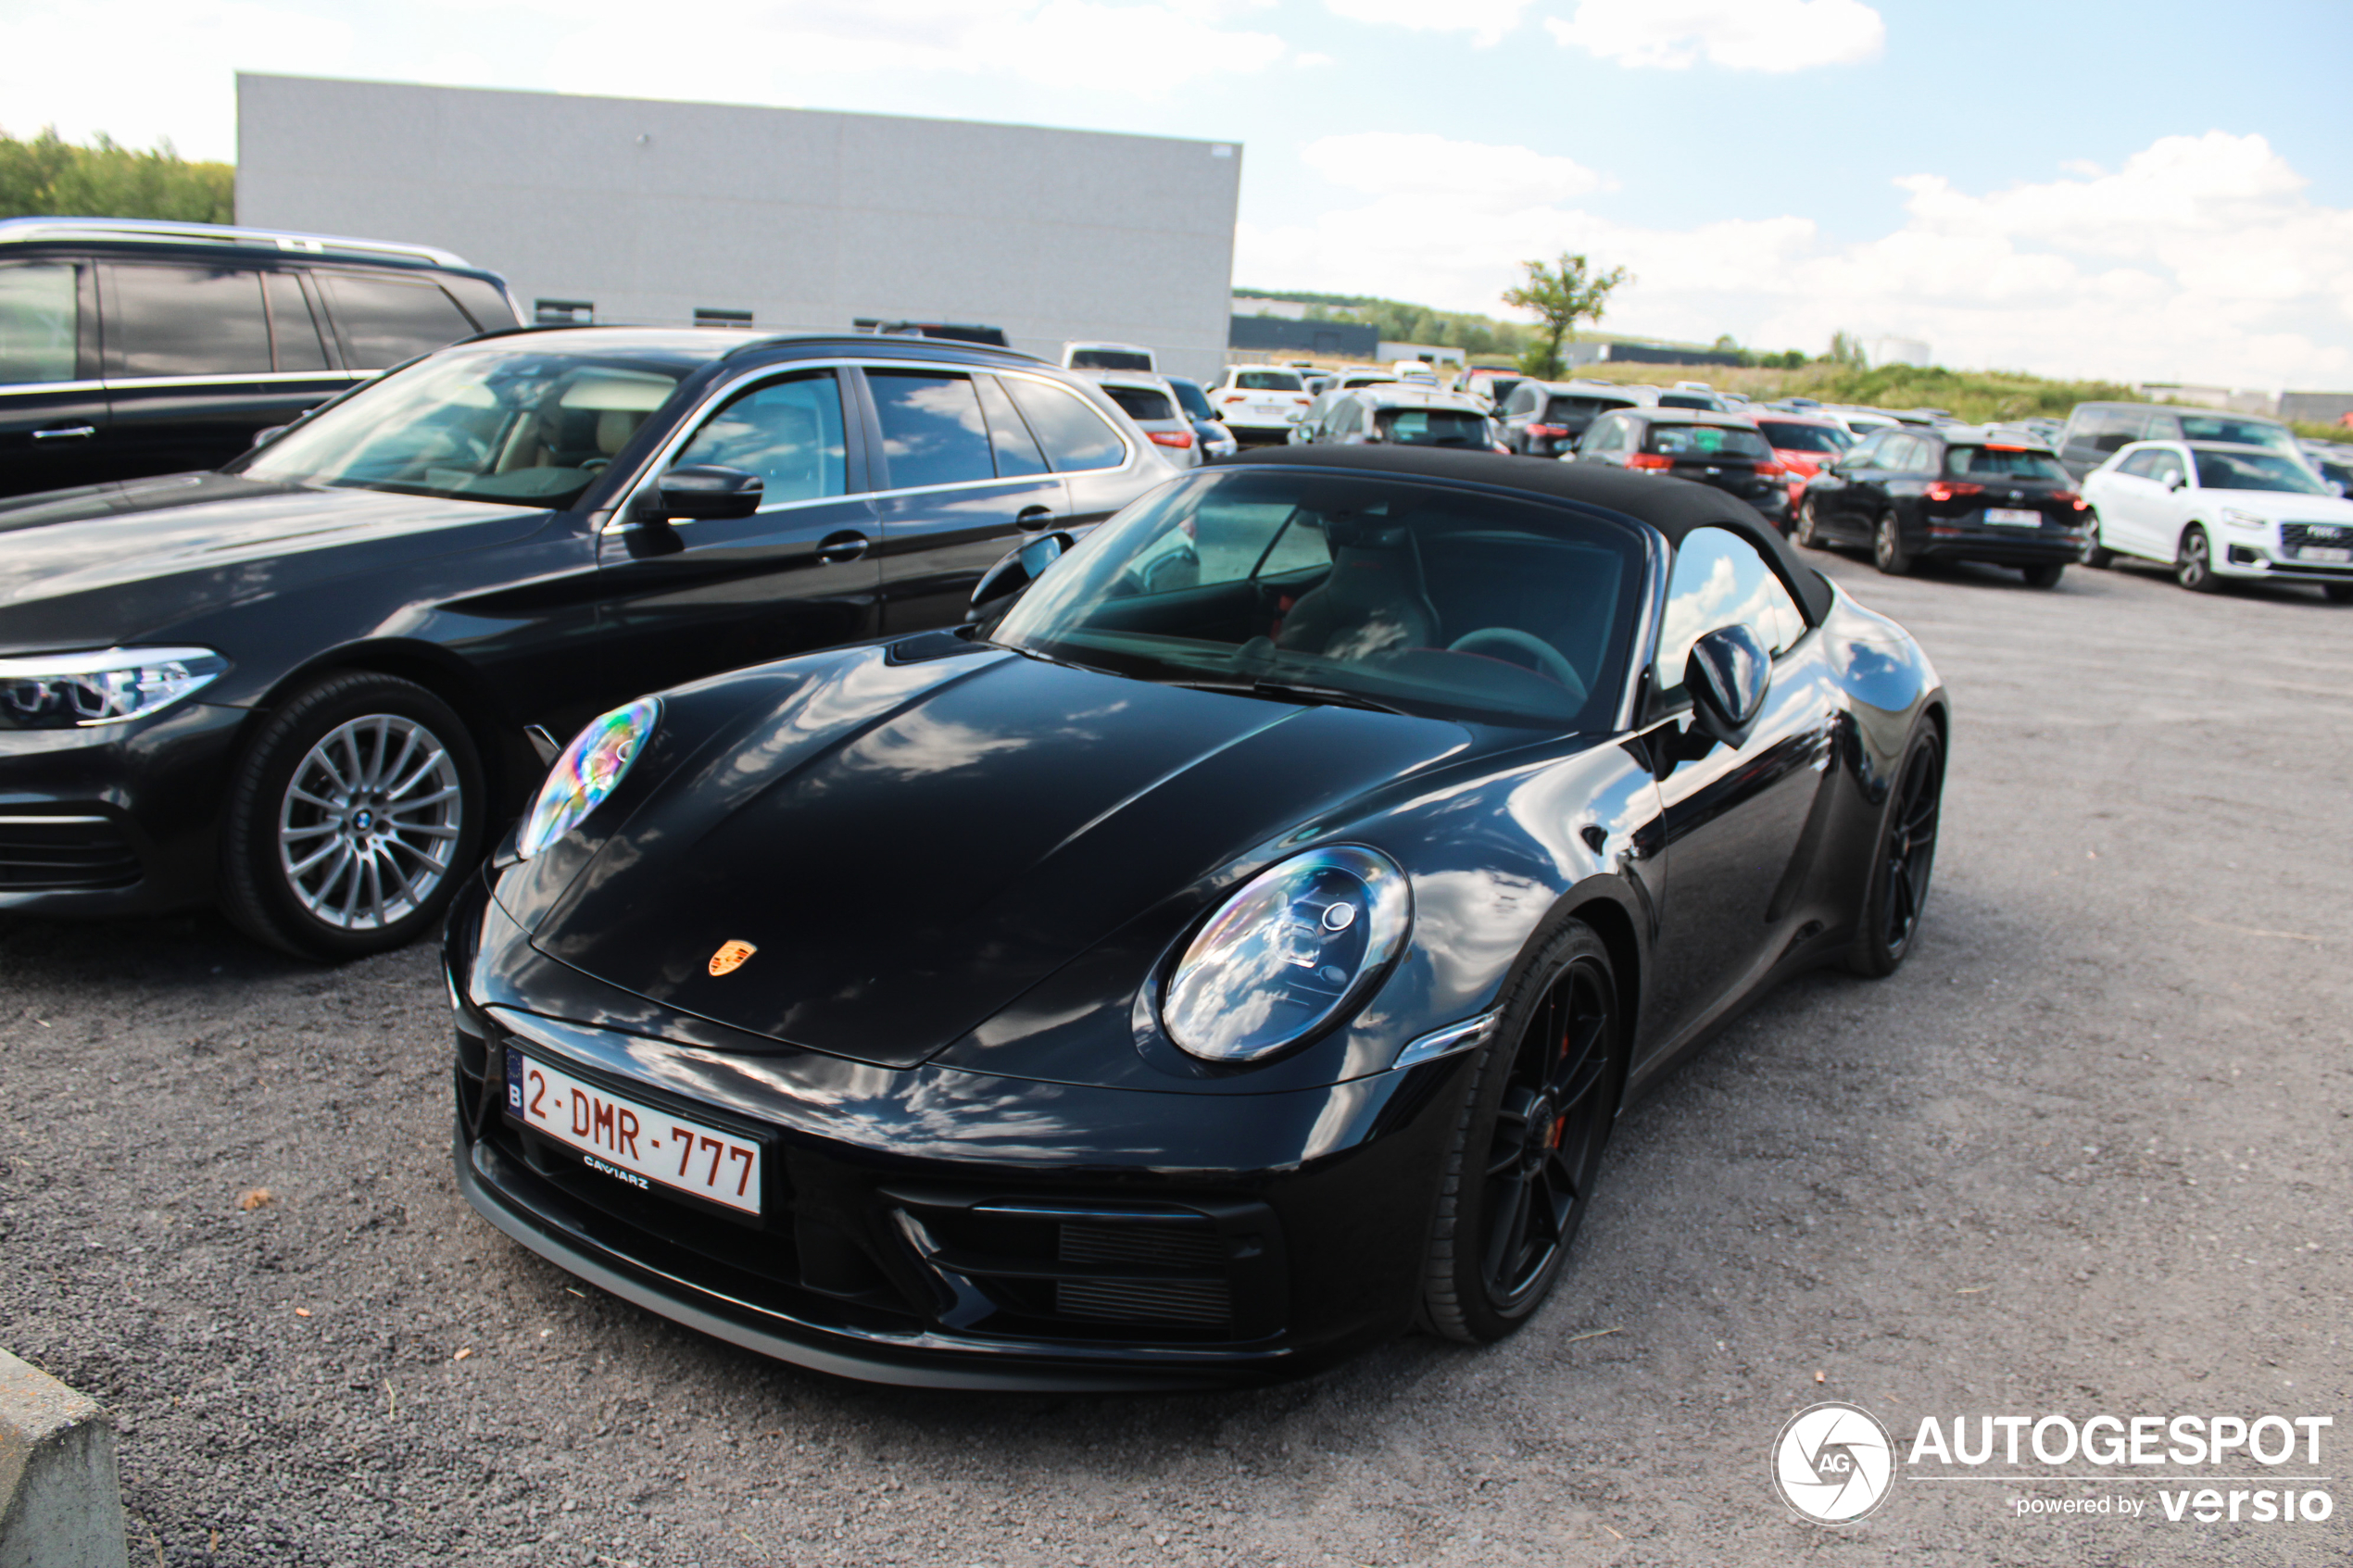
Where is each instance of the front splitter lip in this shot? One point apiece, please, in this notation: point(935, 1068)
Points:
point(915, 1361)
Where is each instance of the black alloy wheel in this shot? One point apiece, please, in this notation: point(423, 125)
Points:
point(2193, 562)
point(2044, 574)
point(1808, 525)
point(1887, 546)
point(1519, 1177)
point(1890, 918)
point(2097, 556)
point(352, 818)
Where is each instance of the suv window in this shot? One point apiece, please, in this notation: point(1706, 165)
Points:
point(385, 321)
point(2141, 465)
point(2166, 468)
point(1074, 436)
point(931, 430)
point(1140, 403)
point(1109, 359)
point(789, 432)
point(294, 331)
point(1192, 400)
point(1719, 580)
point(2109, 429)
point(2238, 433)
point(1707, 441)
point(1017, 450)
point(1267, 380)
point(37, 322)
point(1432, 427)
point(167, 321)
point(2001, 462)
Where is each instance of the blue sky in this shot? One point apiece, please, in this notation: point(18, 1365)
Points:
point(2151, 190)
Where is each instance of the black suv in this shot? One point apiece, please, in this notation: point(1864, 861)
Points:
point(1954, 492)
point(1725, 452)
point(308, 684)
point(130, 348)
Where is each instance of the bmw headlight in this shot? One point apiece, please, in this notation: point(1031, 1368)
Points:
point(1294, 948)
point(589, 770)
point(64, 691)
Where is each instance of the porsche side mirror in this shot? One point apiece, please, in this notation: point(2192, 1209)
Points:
point(1726, 675)
point(708, 493)
point(1013, 574)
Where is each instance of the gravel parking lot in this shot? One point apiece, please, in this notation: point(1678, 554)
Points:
point(2086, 1153)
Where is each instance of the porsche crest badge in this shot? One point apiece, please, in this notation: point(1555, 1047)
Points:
point(730, 957)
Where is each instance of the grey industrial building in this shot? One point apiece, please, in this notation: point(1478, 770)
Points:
point(623, 209)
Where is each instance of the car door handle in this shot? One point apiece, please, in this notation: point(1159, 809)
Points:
point(835, 548)
point(1032, 517)
point(65, 432)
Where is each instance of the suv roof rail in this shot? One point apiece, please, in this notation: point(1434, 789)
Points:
point(164, 232)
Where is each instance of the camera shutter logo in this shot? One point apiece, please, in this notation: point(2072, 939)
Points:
point(1834, 1463)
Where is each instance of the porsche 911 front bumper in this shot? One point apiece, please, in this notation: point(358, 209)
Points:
point(952, 1229)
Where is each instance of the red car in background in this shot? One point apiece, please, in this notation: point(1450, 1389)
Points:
point(1803, 445)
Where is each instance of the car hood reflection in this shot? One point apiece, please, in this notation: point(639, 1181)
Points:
point(909, 849)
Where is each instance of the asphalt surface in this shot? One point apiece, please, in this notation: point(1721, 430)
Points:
point(2086, 1153)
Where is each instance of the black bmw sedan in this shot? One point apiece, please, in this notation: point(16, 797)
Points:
point(312, 684)
point(1235, 953)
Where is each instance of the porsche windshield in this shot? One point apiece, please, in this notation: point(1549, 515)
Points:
point(1377, 592)
point(523, 428)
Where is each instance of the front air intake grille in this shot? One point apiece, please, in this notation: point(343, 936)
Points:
point(70, 852)
point(1138, 1301)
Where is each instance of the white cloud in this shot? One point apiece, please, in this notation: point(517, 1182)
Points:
point(1771, 35)
point(2201, 258)
point(1408, 165)
point(1486, 20)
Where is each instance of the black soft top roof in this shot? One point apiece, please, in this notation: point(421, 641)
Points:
point(1674, 506)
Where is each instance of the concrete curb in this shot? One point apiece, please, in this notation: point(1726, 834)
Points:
point(60, 1501)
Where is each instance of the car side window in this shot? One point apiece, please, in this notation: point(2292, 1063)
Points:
point(385, 321)
point(186, 322)
point(2140, 464)
point(1720, 580)
point(1605, 435)
point(1009, 438)
point(2110, 429)
point(294, 331)
point(790, 432)
point(1073, 435)
point(39, 314)
point(2166, 468)
point(931, 429)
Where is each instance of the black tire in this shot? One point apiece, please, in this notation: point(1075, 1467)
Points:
point(2097, 556)
point(1518, 1177)
point(1809, 531)
point(2193, 562)
point(2338, 593)
point(1887, 546)
point(332, 872)
point(1902, 860)
point(2044, 574)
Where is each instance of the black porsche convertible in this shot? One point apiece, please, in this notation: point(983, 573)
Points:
point(1230, 950)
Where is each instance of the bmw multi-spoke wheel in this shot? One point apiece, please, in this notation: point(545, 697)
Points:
point(352, 818)
point(1890, 918)
point(1520, 1176)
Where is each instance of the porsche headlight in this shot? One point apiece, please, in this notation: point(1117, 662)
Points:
point(64, 690)
point(588, 772)
point(1291, 950)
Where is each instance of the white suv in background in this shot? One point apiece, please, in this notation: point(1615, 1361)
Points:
point(1259, 402)
point(2216, 510)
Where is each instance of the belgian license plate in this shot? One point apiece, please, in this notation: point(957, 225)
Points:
point(630, 1141)
point(2013, 516)
point(1273, 410)
point(2335, 554)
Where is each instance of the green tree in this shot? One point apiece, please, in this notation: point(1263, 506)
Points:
point(1561, 294)
point(48, 177)
point(1847, 349)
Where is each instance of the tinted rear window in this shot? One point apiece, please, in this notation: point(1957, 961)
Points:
point(1194, 401)
point(1581, 407)
point(1433, 427)
point(1142, 402)
point(1686, 400)
point(1705, 441)
point(385, 321)
point(188, 321)
point(1268, 381)
point(2002, 462)
point(1793, 437)
point(2240, 433)
point(1109, 359)
point(1073, 435)
point(38, 316)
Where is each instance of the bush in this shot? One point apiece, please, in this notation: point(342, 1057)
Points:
point(49, 177)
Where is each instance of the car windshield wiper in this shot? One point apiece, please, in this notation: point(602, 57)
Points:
point(1293, 690)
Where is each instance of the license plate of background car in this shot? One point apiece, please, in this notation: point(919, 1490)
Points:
point(2013, 516)
point(2338, 554)
point(630, 1141)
